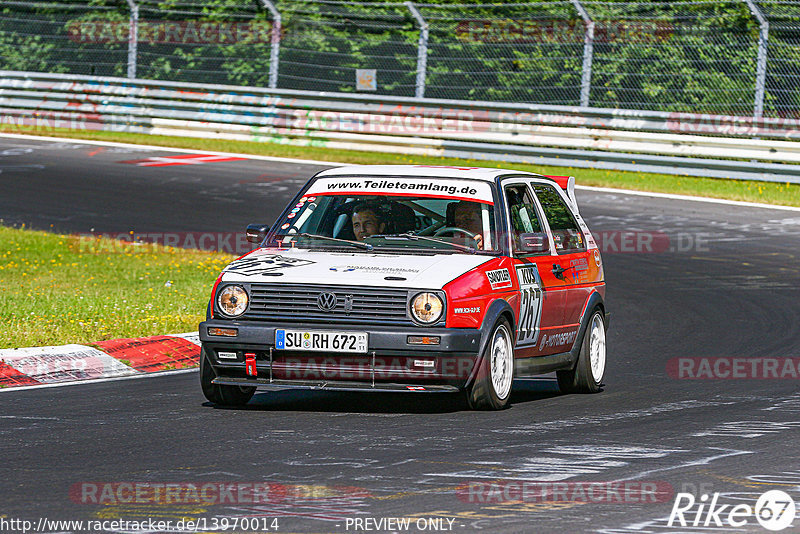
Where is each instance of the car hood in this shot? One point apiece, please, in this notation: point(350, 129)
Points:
point(303, 266)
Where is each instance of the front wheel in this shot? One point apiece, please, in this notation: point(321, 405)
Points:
point(492, 386)
point(587, 376)
point(218, 394)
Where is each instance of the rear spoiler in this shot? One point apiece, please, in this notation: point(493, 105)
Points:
point(567, 183)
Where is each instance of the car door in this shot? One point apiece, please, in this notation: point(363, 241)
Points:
point(542, 295)
point(569, 264)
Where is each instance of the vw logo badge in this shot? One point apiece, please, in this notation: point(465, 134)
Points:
point(326, 301)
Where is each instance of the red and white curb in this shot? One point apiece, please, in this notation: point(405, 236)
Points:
point(117, 358)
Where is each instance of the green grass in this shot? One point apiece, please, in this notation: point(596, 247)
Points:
point(751, 191)
point(61, 289)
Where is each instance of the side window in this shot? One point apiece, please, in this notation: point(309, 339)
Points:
point(522, 214)
point(567, 236)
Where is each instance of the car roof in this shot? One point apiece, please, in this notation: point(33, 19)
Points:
point(434, 171)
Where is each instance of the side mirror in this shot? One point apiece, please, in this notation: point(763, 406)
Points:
point(534, 242)
point(256, 232)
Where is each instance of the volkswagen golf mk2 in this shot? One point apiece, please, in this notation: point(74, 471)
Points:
point(418, 279)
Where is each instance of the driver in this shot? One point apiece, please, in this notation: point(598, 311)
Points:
point(366, 221)
point(467, 216)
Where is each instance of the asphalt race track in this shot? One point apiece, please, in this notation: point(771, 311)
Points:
point(726, 285)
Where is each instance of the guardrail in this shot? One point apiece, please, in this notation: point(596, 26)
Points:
point(674, 143)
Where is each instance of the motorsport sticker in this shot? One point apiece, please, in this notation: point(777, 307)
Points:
point(557, 340)
point(585, 229)
point(499, 278)
point(476, 309)
point(597, 257)
point(580, 268)
point(530, 307)
point(426, 187)
point(254, 265)
point(373, 269)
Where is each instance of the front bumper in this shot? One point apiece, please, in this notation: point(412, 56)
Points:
point(390, 364)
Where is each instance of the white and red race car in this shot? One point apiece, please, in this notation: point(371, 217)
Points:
point(419, 279)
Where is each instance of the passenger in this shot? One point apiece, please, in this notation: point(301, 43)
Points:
point(367, 221)
point(467, 215)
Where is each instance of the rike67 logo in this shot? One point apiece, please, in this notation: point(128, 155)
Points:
point(774, 510)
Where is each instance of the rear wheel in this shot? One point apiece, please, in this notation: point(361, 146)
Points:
point(218, 394)
point(492, 386)
point(587, 376)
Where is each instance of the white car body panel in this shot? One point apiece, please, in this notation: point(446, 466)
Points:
point(304, 266)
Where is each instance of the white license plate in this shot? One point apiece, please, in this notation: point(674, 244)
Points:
point(321, 340)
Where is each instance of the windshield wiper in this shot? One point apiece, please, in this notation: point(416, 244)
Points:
point(357, 244)
point(414, 237)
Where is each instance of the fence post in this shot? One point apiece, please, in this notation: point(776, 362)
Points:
point(275, 38)
point(422, 50)
point(761, 66)
point(588, 53)
point(133, 38)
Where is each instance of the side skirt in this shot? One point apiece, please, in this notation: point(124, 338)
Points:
point(538, 365)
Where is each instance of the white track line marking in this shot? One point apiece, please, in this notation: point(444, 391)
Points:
point(339, 164)
point(172, 149)
point(687, 197)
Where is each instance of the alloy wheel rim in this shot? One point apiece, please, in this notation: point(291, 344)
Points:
point(597, 348)
point(501, 363)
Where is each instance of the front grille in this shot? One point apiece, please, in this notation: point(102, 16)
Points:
point(298, 303)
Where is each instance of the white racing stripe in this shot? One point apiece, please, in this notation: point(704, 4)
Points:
point(339, 164)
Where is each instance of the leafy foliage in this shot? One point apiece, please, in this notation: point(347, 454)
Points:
point(696, 56)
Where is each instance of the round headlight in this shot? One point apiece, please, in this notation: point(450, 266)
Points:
point(232, 300)
point(427, 308)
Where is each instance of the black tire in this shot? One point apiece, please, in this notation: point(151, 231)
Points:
point(222, 395)
point(586, 377)
point(483, 393)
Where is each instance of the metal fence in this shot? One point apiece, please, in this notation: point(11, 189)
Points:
point(736, 57)
point(645, 141)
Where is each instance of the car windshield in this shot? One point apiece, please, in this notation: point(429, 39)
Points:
point(373, 214)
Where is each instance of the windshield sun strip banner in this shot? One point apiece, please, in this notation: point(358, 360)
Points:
point(417, 187)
